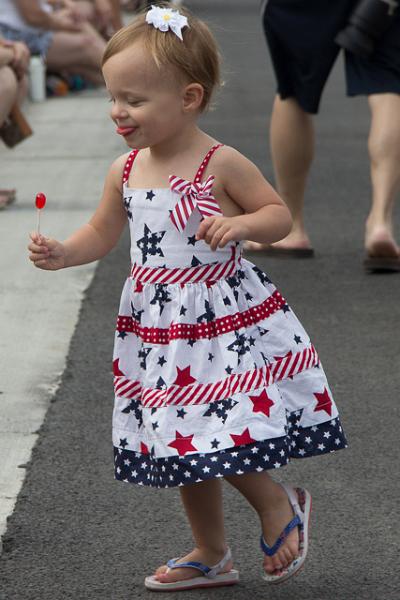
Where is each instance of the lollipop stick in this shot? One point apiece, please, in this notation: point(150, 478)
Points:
point(40, 202)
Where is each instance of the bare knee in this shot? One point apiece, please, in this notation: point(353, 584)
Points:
point(289, 108)
point(9, 91)
point(8, 82)
point(86, 9)
point(73, 51)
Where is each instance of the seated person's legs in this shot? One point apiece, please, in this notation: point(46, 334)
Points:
point(86, 10)
point(9, 93)
point(104, 15)
point(77, 53)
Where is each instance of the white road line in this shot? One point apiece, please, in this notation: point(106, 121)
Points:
point(67, 158)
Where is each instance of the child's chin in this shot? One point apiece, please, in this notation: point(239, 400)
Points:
point(137, 146)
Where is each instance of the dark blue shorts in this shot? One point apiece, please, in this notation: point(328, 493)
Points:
point(300, 36)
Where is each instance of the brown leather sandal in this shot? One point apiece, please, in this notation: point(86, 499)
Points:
point(16, 128)
point(10, 196)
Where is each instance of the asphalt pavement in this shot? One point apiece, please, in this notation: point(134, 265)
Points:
point(77, 534)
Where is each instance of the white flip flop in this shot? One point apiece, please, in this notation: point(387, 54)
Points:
point(300, 500)
point(211, 576)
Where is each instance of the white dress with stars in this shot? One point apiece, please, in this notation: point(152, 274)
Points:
point(213, 373)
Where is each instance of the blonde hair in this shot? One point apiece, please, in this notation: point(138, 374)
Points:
point(196, 58)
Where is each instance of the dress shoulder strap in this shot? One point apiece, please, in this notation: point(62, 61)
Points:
point(128, 165)
point(203, 166)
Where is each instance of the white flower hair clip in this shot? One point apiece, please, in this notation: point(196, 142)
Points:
point(166, 19)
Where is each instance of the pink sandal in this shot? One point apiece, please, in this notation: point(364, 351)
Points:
point(209, 576)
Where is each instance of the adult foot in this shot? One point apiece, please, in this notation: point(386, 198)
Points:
point(380, 243)
point(206, 557)
point(294, 241)
point(274, 519)
point(255, 246)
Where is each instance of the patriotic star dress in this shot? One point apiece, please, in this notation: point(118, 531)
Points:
point(213, 373)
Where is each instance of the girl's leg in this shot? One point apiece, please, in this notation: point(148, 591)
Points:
point(270, 501)
point(203, 507)
point(384, 151)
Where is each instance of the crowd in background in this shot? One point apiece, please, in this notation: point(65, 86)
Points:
point(71, 35)
point(68, 35)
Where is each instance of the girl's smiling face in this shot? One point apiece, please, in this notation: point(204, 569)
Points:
point(148, 102)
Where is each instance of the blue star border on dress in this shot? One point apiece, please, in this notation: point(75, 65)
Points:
point(145, 469)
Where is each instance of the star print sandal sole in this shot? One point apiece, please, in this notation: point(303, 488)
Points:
point(300, 499)
point(210, 576)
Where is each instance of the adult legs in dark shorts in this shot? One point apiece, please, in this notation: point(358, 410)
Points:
point(300, 37)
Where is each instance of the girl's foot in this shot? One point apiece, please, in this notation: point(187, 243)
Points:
point(274, 519)
point(206, 557)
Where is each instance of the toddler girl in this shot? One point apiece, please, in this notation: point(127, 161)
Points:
point(214, 375)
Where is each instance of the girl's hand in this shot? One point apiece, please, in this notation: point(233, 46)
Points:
point(46, 253)
point(218, 231)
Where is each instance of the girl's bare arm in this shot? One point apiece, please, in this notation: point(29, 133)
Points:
point(265, 218)
point(95, 239)
point(92, 241)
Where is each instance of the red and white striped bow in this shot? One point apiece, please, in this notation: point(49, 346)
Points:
point(193, 195)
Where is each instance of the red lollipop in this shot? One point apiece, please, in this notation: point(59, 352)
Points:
point(40, 203)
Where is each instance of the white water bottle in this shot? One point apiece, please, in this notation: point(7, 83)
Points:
point(37, 79)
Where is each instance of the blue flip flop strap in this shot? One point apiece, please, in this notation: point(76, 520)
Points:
point(271, 550)
point(172, 564)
